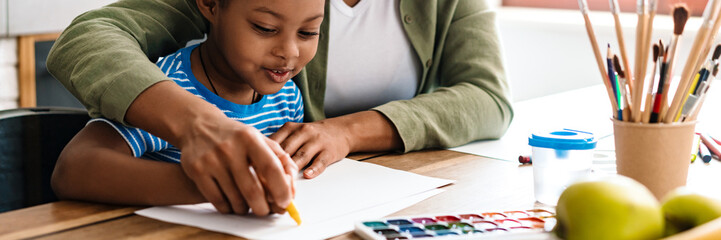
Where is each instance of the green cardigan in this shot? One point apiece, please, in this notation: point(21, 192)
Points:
point(102, 58)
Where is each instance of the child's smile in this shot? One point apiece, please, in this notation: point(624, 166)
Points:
point(278, 75)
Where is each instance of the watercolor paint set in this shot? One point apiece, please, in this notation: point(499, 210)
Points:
point(528, 224)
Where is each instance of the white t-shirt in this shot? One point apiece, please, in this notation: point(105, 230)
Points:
point(370, 59)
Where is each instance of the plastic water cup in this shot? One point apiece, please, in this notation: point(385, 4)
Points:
point(560, 158)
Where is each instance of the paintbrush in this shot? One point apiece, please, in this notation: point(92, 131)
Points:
point(615, 10)
point(656, 106)
point(646, 114)
point(680, 16)
point(597, 53)
point(624, 87)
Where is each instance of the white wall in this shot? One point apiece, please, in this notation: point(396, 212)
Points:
point(548, 51)
point(46, 16)
point(3, 17)
point(494, 3)
point(8, 73)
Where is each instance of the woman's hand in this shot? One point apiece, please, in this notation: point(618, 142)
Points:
point(322, 143)
point(233, 165)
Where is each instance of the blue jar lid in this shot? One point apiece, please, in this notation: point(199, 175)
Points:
point(565, 139)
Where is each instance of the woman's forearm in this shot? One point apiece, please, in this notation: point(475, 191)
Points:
point(168, 111)
point(103, 56)
point(369, 131)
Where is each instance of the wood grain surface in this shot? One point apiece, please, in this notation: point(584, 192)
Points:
point(481, 184)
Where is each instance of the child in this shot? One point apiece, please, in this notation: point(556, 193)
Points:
point(252, 49)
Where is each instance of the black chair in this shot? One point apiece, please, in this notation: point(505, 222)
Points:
point(31, 140)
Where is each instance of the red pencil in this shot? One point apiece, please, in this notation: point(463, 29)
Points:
point(710, 144)
point(715, 140)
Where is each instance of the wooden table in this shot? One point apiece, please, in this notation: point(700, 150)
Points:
point(481, 184)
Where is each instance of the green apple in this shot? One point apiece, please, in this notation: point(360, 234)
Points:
point(612, 207)
point(685, 209)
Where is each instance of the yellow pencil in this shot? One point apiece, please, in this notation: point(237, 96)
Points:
point(293, 213)
point(690, 92)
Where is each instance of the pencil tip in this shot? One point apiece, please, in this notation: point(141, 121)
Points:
point(608, 51)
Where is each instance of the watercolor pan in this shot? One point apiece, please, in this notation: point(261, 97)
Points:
point(527, 224)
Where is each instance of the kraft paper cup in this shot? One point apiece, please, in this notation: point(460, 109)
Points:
point(657, 155)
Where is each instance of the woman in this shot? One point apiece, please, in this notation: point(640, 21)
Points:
point(444, 84)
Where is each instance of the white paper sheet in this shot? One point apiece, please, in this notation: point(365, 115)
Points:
point(329, 204)
point(580, 109)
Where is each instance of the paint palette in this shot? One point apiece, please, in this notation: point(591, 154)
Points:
point(528, 224)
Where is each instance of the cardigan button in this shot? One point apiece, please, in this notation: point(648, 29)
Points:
point(408, 19)
point(428, 63)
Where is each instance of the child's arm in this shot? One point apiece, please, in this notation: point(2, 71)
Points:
point(97, 165)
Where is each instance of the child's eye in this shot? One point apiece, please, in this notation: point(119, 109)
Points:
point(308, 34)
point(263, 30)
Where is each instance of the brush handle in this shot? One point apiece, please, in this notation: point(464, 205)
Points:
point(622, 50)
point(646, 47)
point(696, 109)
point(657, 108)
point(688, 70)
point(657, 101)
point(599, 62)
point(633, 80)
point(699, 103)
point(685, 104)
point(639, 77)
point(647, 111)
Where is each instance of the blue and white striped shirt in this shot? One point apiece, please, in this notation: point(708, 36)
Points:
point(267, 115)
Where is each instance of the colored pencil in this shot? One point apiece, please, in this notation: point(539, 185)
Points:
point(715, 140)
point(704, 153)
point(711, 145)
point(614, 82)
point(293, 212)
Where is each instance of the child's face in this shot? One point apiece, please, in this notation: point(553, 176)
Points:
point(266, 42)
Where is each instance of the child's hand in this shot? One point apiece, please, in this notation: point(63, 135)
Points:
point(324, 142)
point(233, 165)
point(330, 140)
